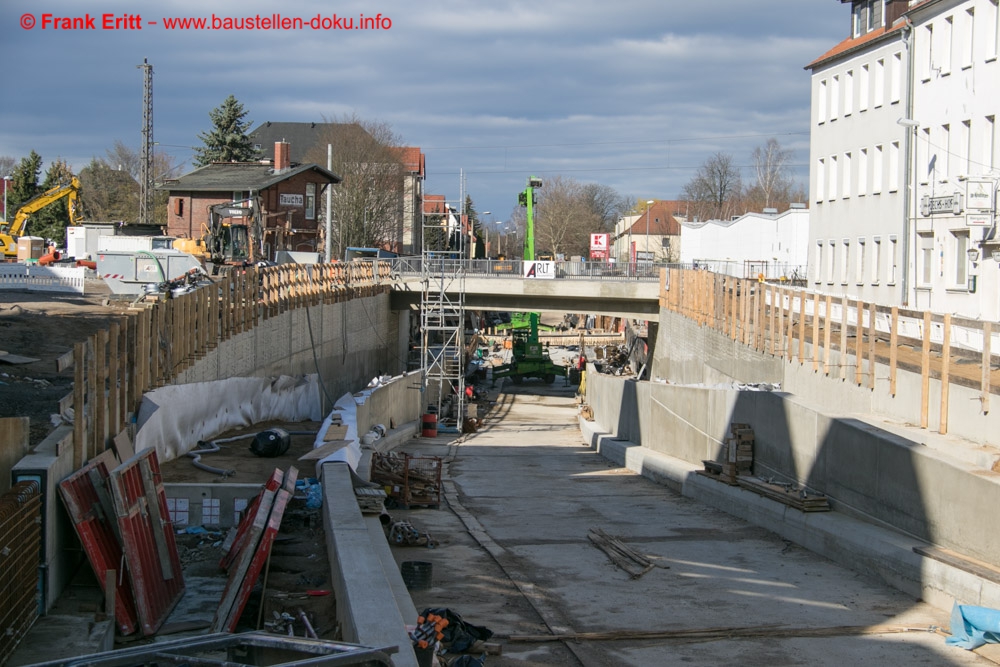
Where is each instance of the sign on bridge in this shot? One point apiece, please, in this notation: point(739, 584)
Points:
point(542, 270)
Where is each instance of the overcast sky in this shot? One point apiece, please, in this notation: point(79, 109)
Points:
point(631, 94)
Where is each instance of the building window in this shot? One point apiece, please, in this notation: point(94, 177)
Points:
point(990, 143)
point(845, 261)
point(877, 170)
point(928, 55)
point(859, 269)
point(832, 247)
point(943, 166)
point(821, 103)
point(178, 206)
point(847, 175)
point(848, 92)
point(992, 27)
point(894, 166)
point(862, 172)
point(820, 179)
point(944, 52)
point(896, 78)
point(879, 97)
point(968, 38)
point(893, 260)
point(961, 255)
point(818, 262)
point(874, 10)
point(310, 201)
point(876, 259)
point(835, 98)
point(963, 147)
point(924, 166)
point(925, 259)
point(863, 84)
point(834, 176)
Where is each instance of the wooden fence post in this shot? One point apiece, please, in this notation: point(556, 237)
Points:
point(945, 370)
point(893, 348)
point(827, 332)
point(987, 365)
point(925, 369)
point(871, 345)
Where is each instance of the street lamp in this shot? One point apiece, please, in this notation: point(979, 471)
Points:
point(648, 204)
point(6, 185)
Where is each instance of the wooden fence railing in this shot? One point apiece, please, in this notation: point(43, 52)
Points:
point(151, 346)
point(780, 321)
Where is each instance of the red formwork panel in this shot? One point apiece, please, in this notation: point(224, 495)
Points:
point(232, 549)
point(251, 557)
point(147, 536)
point(88, 501)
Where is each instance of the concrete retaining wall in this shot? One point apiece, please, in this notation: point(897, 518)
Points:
point(354, 341)
point(867, 471)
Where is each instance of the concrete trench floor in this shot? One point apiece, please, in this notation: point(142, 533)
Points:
point(513, 554)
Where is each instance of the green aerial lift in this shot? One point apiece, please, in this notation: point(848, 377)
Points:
point(529, 359)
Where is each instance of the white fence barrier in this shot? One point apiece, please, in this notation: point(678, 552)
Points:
point(43, 278)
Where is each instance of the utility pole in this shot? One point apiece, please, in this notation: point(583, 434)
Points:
point(146, 159)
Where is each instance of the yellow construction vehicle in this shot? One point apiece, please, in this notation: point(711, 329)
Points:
point(11, 230)
point(224, 243)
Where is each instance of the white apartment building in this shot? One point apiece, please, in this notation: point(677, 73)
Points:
point(904, 157)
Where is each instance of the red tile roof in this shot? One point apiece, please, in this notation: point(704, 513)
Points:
point(434, 205)
point(413, 159)
point(660, 219)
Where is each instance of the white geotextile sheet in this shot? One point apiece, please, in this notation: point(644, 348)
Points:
point(346, 409)
point(174, 418)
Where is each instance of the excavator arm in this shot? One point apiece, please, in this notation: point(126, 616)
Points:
point(17, 227)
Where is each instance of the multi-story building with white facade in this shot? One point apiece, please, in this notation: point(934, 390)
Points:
point(903, 121)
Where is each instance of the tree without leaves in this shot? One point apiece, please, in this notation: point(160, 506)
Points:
point(110, 187)
point(368, 204)
point(715, 190)
point(7, 164)
point(227, 141)
point(770, 165)
point(565, 217)
point(606, 203)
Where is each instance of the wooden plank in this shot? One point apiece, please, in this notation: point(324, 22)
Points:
point(126, 370)
point(91, 381)
point(827, 332)
point(771, 290)
point(980, 569)
point(893, 348)
point(64, 362)
point(925, 369)
point(790, 334)
point(843, 338)
point(859, 335)
point(14, 432)
point(153, 507)
point(79, 407)
point(101, 404)
point(871, 346)
point(945, 368)
point(815, 338)
point(987, 364)
point(113, 409)
point(761, 337)
point(802, 327)
point(123, 446)
point(329, 447)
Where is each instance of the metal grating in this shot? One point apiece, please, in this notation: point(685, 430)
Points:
point(147, 536)
point(20, 559)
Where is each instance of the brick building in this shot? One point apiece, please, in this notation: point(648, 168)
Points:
point(289, 196)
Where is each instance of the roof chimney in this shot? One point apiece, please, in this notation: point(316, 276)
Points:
point(282, 156)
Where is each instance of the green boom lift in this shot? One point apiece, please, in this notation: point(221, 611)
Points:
point(529, 358)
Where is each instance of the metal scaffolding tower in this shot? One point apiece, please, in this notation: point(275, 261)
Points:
point(442, 314)
point(146, 159)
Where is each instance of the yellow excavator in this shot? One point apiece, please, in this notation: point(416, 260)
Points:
point(11, 230)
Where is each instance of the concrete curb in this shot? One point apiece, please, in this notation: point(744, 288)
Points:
point(864, 547)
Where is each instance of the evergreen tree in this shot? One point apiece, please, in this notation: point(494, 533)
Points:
point(50, 222)
point(24, 182)
point(228, 140)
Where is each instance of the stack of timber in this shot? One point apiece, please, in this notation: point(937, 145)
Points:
point(370, 500)
point(738, 455)
point(789, 494)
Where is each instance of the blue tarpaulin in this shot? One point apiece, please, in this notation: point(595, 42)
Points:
point(971, 627)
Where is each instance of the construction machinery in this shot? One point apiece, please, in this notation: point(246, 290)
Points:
point(529, 358)
point(226, 243)
point(11, 230)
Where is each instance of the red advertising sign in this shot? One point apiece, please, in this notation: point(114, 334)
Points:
point(599, 246)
